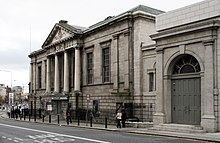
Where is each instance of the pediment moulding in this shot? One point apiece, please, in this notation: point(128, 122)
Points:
point(60, 33)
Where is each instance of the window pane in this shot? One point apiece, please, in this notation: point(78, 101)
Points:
point(89, 68)
point(106, 64)
point(151, 81)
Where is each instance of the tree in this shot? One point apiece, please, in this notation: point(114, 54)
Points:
point(1, 100)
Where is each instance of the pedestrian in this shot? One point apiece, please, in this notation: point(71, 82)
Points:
point(68, 116)
point(123, 118)
point(118, 118)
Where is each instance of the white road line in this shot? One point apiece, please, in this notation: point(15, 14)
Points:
point(19, 139)
point(69, 136)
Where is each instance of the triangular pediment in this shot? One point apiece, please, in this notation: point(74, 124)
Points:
point(59, 33)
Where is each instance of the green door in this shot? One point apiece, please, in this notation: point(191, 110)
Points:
point(186, 101)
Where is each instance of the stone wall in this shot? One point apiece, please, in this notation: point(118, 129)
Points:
point(200, 11)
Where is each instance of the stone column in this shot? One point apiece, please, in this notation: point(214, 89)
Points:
point(66, 72)
point(31, 77)
point(126, 61)
point(56, 79)
point(48, 88)
point(208, 118)
point(44, 63)
point(115, 62)
point(77, 69)
point(159, 116)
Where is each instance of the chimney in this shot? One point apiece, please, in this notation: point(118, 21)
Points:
point(63, 21)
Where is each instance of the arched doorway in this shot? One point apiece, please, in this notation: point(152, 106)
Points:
point(186, 91)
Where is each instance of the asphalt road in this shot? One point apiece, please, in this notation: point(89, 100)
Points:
point(13, 131)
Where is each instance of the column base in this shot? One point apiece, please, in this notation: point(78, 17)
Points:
point(208, 122)
point(159, 118)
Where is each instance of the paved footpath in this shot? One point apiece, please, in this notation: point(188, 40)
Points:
point(209, 137)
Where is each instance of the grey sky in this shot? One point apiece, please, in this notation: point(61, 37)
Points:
point(25, 25)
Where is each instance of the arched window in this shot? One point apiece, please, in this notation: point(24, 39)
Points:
point(186, 64)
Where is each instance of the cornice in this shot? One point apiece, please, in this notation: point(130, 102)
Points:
point(36, 53)
point(58, 42)
point(186, 29)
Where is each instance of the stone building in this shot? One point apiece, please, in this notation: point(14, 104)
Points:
point(98, 68)
point(187, 63)
point(166, 72)
point(3, 91)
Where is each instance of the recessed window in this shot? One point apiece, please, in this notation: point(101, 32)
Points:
point(106, 64)
point(39, 77)
point(90, 68)
point(151, 81)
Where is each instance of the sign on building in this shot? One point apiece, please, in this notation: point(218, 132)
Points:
point(11, 98)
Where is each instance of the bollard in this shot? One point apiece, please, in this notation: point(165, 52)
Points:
point(40, 113)
point(43, 118)
point(49, 118)
point(35, 118)
point(90, 121)
point(58, 119)
point(78, 120)
point(29, 117)
point(105, 122)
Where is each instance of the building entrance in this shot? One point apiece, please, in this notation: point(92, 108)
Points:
point(186, 91)
point(186, 101)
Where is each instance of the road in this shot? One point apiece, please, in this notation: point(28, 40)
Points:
point(14, 131)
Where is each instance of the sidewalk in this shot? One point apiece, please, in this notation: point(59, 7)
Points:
point(209, 137)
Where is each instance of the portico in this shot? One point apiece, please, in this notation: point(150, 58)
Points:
point(62, 72)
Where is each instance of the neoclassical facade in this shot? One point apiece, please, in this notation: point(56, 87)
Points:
point(186, 57)
point(165, 71)
point(98, 68)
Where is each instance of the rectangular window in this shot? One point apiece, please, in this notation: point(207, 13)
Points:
point(90, 68)
point(106, 64)
point(151, 81)
point(39, 77)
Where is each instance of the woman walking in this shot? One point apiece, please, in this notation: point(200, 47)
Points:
point(118, 118)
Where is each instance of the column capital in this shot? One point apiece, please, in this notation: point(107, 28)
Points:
point(126, 33)
point(208, 42)
point(159, 51)
point(115, 36)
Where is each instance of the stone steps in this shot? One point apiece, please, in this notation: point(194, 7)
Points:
point(179, 128)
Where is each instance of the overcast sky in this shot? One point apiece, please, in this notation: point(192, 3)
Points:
point(25, 25)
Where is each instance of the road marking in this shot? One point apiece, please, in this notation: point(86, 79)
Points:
point(19, 139)
point(69, 136)
point(9, 139)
